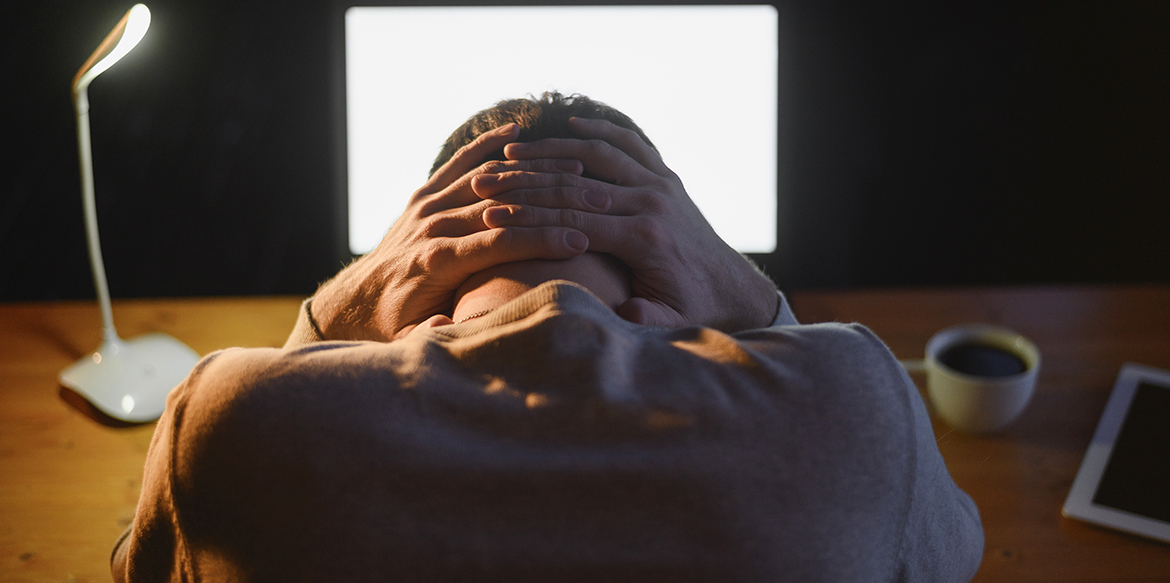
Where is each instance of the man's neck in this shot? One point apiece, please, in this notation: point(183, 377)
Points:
point(491, 288)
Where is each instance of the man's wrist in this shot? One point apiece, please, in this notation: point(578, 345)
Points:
point(343, 307)
point(762, 298)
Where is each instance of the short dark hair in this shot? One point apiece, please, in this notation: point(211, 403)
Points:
point(538, 118)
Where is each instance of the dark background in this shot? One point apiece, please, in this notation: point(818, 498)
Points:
point(923, 144)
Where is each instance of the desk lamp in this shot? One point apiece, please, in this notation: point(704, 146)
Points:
point(127, 380)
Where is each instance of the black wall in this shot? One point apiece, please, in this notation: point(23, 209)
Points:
point(1020, 142)
point(1005, 143)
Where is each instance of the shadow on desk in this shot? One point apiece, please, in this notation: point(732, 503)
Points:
point(81, 405)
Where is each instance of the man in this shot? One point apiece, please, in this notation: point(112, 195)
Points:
point(551, 369)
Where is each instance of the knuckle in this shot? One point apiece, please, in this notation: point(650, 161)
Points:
point(624, 133)
point(515, 179)
point(654, 203)
point(571, 218)
point(525, 179)
point(563, 194)
point(522, 215)
point(597, 147)
point(437, 258)
point(426, 206)
point(464, 152)
point(431, 227)
point(574, 197)
point(669, 183)
point(648, 230)
point(502, 237)
point(568, 180)
point(481, 138)
point(493, 167)
point(540, 165)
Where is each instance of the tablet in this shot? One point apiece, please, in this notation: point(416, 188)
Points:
point(1124, 480)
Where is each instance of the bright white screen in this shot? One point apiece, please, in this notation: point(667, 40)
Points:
point(701, 81)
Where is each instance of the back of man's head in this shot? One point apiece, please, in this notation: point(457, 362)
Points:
point(538, 118)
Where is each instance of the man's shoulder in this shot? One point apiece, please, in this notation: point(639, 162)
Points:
point(828, 350)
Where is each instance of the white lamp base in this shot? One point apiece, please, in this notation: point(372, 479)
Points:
point(130, 379)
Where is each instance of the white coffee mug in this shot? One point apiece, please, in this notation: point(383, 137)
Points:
point(980, 399)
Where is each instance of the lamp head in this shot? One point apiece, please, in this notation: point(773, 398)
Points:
point(120, 41)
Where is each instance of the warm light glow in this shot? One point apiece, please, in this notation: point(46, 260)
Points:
point(535, 400)
point(136, 22)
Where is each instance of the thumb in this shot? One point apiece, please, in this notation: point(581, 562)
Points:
point(432, 322)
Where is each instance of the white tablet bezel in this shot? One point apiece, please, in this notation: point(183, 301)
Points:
point(1079, 503)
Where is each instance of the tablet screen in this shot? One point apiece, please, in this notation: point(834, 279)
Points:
point(1124, 478)
point(1137, 477)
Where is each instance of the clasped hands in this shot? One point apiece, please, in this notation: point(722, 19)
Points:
point(607, 191)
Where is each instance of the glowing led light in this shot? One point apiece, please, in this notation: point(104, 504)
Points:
point(127, 403)
point(137, 20)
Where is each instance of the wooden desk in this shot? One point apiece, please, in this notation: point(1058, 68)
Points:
point(68, 485)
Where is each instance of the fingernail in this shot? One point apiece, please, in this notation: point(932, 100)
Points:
point(596, 199)
point(506, 129)
point(487, 179)
point(577, 241)
point(496, 215)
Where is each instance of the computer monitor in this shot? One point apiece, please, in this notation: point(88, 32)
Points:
point(701, 81)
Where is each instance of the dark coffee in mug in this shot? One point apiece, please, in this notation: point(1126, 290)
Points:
point(982, 360)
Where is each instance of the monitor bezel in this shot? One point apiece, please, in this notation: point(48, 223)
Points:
point(772, 264)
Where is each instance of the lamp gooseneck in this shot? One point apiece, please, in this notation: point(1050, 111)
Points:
point(124, 37)
point(109, 334)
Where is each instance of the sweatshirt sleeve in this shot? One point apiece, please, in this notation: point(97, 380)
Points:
point(182, 489)
point(943, 536)
point(152, 548)
point(784, 316)
point(305, 331)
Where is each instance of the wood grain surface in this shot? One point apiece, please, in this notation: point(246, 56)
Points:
point(69, 483)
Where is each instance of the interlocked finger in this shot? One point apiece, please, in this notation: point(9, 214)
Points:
point(607, 234)
point(601, 159)
point(459, 221)
point(467, 158)
point(545, 190)
point(461, 192)
point(479, 251)
point(626, 140)
point(492, 184)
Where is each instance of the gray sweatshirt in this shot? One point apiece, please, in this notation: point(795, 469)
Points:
point(550, 440)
